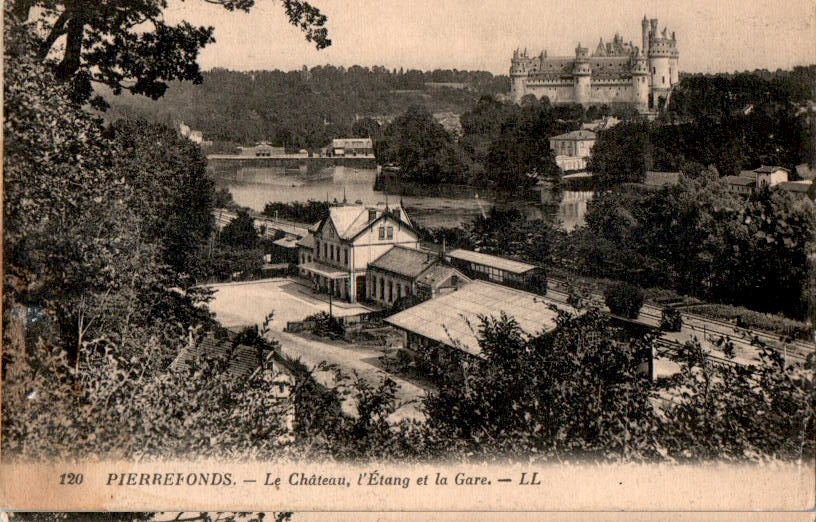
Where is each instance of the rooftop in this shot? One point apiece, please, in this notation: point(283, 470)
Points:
point(307, 241)
point(437, 274)
point(350, 220)
point(768, 169)
point(287, 242)
point(243, 362)
point(456, 316)
point(508, 265)
point(738, 180)
point(408, 262)
point(352, 142)
point(578, 135)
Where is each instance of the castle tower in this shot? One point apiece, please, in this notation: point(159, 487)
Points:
point(582, 73)
point(644, 25)
point(663, 61)
point(518, 75)
point(640, 81)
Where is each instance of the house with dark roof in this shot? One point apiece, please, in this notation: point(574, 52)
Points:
point(240, 362)
point(404, 272)
point(742, 185)
point(347, 240)
point(256, 367)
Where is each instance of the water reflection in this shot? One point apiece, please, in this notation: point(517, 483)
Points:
point(254, 187)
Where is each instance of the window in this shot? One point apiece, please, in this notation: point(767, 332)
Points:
point(302, 258)
point(399, 290)
point(345, 256)
point(331, 253)
point(382, 232)
point(318, 249)
point(382, 288)
point(390, 291)
point(663, 79)
point(325, 250)
point(390, 232)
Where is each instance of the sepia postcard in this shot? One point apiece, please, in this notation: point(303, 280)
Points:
point(427, 260)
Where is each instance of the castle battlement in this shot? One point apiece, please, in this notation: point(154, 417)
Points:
point(615, 72)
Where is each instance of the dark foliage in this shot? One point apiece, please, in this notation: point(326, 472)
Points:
point(240, 232)
point(310, 212)
point(168, 174)
point(129, 46)
point(732, 122)
point(624, 299)
point(701, 240)
point(422, 148)
point(304, 109)
point(671, 320)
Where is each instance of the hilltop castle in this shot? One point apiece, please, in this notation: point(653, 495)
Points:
point(616, 72)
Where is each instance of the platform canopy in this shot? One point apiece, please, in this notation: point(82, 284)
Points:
point(326, 271)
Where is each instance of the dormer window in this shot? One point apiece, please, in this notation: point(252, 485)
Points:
point(372, 215)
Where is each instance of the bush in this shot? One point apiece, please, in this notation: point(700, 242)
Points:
point(325, 325)
point(624, 299)
point(671, 320)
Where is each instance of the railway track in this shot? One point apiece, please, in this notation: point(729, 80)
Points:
point(711, 329)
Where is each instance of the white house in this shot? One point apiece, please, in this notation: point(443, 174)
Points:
point(351, 237)
point(771, 176)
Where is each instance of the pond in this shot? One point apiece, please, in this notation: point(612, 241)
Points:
point(435, 207)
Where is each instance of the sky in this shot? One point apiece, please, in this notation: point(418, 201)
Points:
point(712, 35)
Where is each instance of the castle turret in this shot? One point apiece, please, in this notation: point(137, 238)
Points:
point(640, 81)
point(582, 73)
point(519, 69)
point(615, 72)
point(644, 25)
point(663, 62)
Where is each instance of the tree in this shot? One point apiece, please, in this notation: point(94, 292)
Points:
point(577, 391)
point(240, 232)
point(621, 154)
point(733, 412)
point(106, 42)
point(365, 128)
point(624, 299)
point(73, 251)
point(174, 193)
point(422, 148)
point(521, 153)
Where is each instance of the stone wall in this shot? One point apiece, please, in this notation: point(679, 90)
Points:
point(600, 92)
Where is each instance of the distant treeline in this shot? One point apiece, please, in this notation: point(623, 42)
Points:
point(311, 211)
point(731, 122)
point(305, 109)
